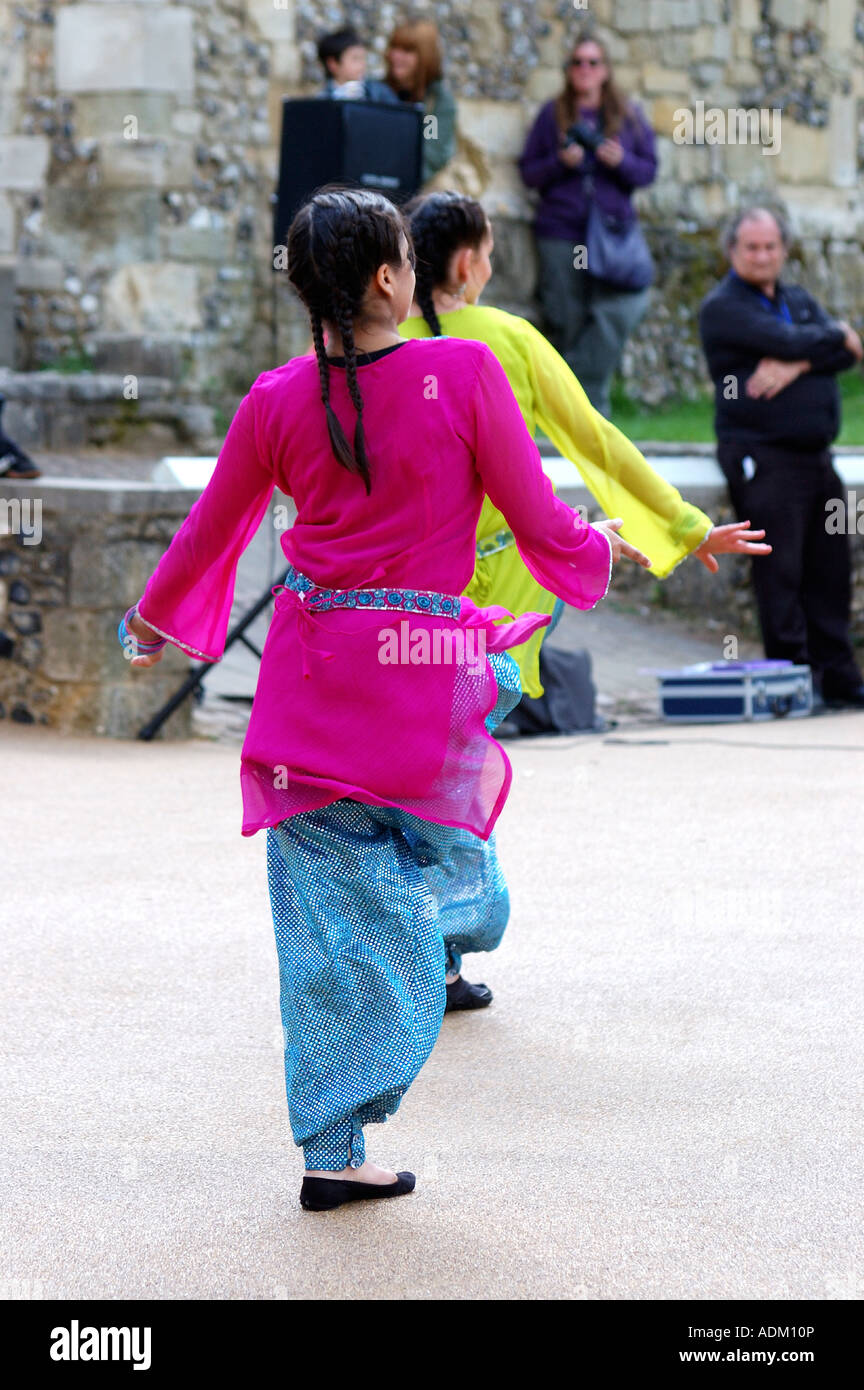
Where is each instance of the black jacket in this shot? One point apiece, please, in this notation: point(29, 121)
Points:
point(738, 329)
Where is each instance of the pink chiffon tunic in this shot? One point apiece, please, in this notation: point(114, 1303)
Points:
point(331, 717)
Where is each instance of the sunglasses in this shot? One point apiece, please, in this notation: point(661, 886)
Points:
point(585, 63)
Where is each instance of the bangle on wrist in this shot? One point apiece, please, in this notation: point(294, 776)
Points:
point(142, 648)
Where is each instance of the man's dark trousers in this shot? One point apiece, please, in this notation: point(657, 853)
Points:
point(804, 588)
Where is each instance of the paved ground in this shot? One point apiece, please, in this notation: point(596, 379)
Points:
point(664, 1100)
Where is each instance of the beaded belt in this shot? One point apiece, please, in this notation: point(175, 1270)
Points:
point(490, 545)
point(319, 600)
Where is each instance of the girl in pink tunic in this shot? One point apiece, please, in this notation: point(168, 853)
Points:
point(367, 755)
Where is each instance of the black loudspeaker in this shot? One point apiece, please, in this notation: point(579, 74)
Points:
point(365, 144)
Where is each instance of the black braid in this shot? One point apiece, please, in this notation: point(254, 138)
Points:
point(345, 324)
point(335, 244)
point(441, 224)
point(338, 442)
point(423, 294)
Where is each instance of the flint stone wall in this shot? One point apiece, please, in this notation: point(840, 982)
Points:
point(138, 153)
point(73, 557)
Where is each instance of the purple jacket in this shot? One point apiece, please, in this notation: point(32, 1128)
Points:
point(563, 209)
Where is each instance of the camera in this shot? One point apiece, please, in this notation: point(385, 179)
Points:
point(580, 133)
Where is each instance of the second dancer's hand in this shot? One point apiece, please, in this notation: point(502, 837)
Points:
point(734, 539)
point(619, 546)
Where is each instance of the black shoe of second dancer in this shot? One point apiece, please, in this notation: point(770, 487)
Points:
point(323, 1194)
point(854, 700)
point(462, 995)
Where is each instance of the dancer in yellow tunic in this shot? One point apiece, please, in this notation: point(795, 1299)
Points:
point(454, 241)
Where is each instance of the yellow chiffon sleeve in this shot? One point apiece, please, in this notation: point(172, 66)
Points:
point(656, 517)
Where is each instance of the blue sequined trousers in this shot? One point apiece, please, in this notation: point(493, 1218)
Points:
point(371, 906)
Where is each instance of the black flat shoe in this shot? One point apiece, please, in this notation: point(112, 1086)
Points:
point(323, 1194)
point(461, 995)
point(854, 700)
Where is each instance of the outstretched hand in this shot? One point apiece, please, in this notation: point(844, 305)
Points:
point(734, 539)
point(621, 547)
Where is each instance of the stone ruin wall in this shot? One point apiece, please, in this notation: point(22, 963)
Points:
point(148, 259)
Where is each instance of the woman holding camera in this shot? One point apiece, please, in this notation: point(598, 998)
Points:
point(586, 153)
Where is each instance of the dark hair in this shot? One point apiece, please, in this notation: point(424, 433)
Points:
point(334, 45)
point(613, 105)
point(753, 214)
point(441, 223)
point(335, 244)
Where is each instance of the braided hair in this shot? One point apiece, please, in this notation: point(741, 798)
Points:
point(441, 223)
point(335, 244)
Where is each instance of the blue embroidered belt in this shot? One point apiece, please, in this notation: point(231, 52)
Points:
point(490, 545)
point(319, 600)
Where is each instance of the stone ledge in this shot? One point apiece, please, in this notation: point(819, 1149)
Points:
point(82, 386)
point(101, 495)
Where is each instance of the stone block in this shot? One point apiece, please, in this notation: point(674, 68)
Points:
point(159, 297)
point(796, 14)
point(680, 14)
point(124, 48)
point(498, 127)
point(125, 706)
point(747, 164)
point(147, 164)
point(286, 62)
point(114, 115)
point(744, 74)
point(660, 81)
point(66, 428)
point(13, 66)
point(712, 42)
point(38, 273)
point(23, 161)
point(515, 274)
point(544, 83)
point(136, 355)
point(665, 114)
point(709, 202)
point(634, 17)
point(506, 194)
point(843, 143)
point(24, 421)
point(688, 163)
point(212, 243)
point(628, 76)
point(104, 575)
point(7, 317)
point(274, 19)
point(814, 208)
point(805, 153)
point(7, 225)
point(73, 644)
point(13, 76)
point(188, 123)
point(708, 78)
point(747, 15)
point(102, 227)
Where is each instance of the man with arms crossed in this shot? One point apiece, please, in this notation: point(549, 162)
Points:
point(773, 354)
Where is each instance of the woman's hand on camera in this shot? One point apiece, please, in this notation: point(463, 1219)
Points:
point(571, 155)
point(621, 547)
point(610, 152)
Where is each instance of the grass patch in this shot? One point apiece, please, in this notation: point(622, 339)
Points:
point(75, 360)
point(692, 422)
